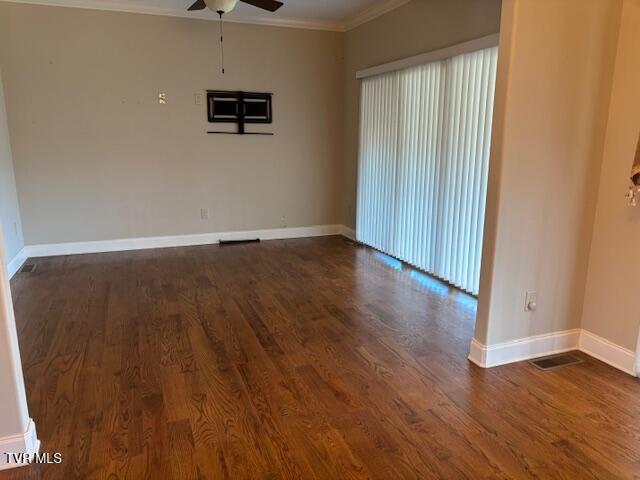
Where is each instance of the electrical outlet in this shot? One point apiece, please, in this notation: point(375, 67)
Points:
point(531, 301)
point(162, 98)
point(198, 99)
point(204, 213)
point(283, 221)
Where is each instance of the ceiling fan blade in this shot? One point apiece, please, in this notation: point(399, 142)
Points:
point(199, 5)
point(270, 5)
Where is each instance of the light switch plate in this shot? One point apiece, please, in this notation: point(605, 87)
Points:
point(531, 301)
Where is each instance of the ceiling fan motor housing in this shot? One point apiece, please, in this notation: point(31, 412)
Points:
point(223, 6)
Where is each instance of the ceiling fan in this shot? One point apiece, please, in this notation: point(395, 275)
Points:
point(225, 6)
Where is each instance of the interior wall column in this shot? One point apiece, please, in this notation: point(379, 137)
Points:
point(17, 429)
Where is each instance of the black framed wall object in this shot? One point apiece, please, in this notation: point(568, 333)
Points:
point(239, 107)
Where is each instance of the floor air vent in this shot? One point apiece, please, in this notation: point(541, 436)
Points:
point(224, 243)
point(28, 268)
point(555, 361)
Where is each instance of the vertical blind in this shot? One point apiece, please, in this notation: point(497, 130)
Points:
point(425, 135)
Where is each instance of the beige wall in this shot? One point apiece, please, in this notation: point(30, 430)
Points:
point(14, 418)
point(418, 27)
point(10, 224)
point(612, 293)
point(96, 157)
point(553, 92)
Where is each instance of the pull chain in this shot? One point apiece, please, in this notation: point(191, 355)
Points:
point(220, 12)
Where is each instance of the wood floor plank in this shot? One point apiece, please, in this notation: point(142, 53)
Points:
point(294, 359)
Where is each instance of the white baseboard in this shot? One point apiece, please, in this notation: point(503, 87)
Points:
point(16, 263)
point(27, 443)
point(119, 245)
point(608, 352)
point(488, 356)
point(350, 233)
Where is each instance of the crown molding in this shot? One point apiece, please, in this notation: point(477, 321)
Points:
point(369, 14)
point(170, 12)
point(373, 12)
point(286, 23)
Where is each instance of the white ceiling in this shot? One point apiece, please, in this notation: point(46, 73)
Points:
point(336, 15)
point(318, 10)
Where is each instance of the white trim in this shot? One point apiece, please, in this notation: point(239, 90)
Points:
point(478, 353)
point(285, 23)
point(123, 244)
point(487, 356)
point(15, 264)
point(523, 348)
point(637, 365)
point(369, 14)
point(200, 15)
point(350, 233)
point(429, 57)
point(607, 351)
point(374, 12)
point(24, 443)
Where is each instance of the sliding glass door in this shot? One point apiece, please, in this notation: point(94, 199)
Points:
point(425, 136)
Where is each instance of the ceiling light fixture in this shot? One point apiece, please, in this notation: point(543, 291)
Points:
point(221, 6)
point(225, 6)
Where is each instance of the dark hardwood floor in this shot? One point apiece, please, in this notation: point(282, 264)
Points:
point(301, 359)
